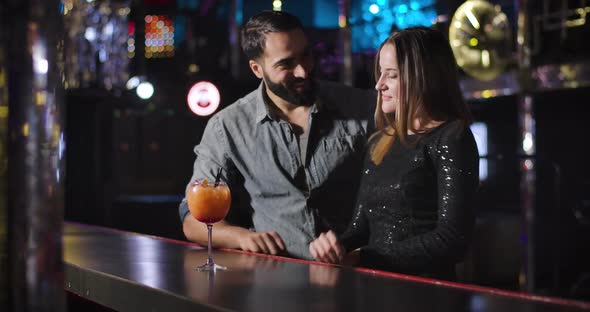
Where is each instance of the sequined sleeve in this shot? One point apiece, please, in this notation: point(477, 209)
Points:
point(357, 233)
point(456, 164)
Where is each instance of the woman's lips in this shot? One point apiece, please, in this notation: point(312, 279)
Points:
point(386, 97)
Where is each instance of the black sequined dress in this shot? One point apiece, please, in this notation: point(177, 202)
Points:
point(414, 210)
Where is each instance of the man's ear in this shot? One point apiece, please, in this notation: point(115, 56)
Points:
point(256, 69)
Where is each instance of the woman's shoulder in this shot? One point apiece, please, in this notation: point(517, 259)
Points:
point(451, 129)
point(451, 132)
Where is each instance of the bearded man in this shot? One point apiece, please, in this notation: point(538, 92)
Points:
point(293, 148)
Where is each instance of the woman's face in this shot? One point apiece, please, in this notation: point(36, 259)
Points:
point(388, 83)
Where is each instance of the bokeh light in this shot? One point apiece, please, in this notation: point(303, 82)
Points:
point(159, 36)
point(373, 21)
point(203, 98)
point(145, 90)
point(277, 5)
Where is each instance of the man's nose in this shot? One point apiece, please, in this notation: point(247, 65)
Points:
point(301, 71)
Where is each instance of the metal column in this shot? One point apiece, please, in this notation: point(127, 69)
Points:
point(235, 20)
point(32, 43)
point(4, 285)
point(527, 149)
point(346, 74)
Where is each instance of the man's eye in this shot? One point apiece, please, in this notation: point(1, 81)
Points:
point(286, 65)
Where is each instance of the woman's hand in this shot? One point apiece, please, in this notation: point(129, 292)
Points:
point(326, 248)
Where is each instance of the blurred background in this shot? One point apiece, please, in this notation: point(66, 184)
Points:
point(129, 66)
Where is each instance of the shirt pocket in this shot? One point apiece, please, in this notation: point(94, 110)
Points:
point(340, 145)
point(336, 151)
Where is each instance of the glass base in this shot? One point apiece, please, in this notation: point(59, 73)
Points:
point(210, 267)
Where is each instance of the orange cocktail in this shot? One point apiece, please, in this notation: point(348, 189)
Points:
point(208, 203)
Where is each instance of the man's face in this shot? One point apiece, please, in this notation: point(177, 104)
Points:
point(286, 67)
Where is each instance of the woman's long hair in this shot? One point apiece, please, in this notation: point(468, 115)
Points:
point(429, 88)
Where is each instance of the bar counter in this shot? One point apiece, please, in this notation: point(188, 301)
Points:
point(133, 272)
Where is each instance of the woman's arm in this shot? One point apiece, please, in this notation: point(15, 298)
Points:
point(456, 163)
point(357, 233)
point(329, 248)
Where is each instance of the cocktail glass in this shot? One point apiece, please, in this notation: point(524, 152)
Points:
point(209, 203)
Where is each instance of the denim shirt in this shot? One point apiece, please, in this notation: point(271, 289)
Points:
point(273, 189)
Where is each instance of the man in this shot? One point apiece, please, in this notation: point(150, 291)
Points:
point(294, 146)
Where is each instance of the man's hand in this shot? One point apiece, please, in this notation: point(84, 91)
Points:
point(235, 237)
point(262, 242)
point(326, 248)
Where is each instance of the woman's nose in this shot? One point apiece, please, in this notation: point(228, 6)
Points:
point(380, 86)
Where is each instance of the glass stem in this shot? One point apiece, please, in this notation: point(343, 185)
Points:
point(210, 257)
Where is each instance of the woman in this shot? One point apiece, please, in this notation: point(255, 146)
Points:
point(413, 213)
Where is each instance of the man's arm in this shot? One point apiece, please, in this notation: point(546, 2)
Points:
point(212, 154)
point(231, 236)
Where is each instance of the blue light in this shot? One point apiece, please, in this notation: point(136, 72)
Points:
point(372, 21)
point(383, 28)
point(411, 18)
point(239, 12)
point(388, 18)
point(188, 4)
point(326, 14)
point(402, 9)
point(431, 15)
point(179, 29)
point(374, 8)
point(401, 22)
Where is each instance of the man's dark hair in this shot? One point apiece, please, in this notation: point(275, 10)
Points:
point(254, 31)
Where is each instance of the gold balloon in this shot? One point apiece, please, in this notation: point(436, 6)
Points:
point(480, 37)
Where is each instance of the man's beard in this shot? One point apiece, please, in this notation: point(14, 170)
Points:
point(288, 92)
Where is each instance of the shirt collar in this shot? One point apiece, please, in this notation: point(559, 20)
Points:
point(263, 110)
